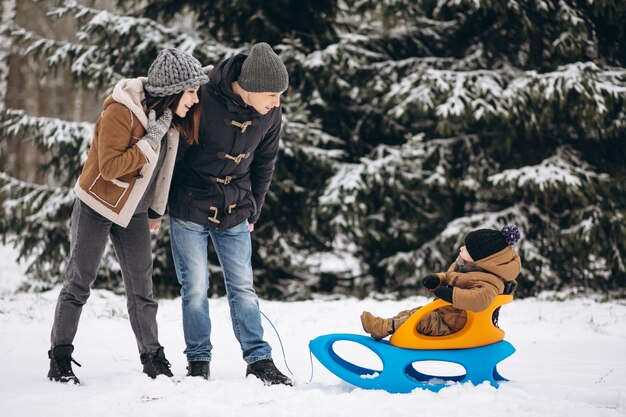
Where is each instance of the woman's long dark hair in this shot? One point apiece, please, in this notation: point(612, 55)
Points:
point(189, 126)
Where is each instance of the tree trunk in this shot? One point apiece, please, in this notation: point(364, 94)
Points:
point(8, 17)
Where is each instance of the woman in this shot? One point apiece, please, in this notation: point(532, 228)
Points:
point(125, 180)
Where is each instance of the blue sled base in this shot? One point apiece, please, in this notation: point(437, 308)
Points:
point(398, 374)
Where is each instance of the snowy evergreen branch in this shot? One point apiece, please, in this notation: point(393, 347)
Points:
point(564, 172)
point(304, 135)
point(66, 142)
point(35, 203)
point(110, 47)
point(35, 217)
point(86, 62)
point(474, 96)
point(45, 132)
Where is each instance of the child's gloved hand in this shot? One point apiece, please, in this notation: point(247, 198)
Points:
point(445, 293)
point(431, 281)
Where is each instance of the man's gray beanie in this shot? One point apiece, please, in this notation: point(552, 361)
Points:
point(172, 72)
point(263, 71)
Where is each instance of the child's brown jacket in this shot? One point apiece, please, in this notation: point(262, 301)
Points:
point(474, 290)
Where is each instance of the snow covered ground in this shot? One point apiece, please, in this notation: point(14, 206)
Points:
point(570, 361)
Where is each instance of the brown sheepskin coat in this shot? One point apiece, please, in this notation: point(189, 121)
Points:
point(119, 164)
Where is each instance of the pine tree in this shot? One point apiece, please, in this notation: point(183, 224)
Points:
point(407, 124)
point(491, 112)
point(109, 47)
point(249, 21)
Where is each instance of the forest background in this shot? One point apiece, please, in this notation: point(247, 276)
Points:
point(407, 124)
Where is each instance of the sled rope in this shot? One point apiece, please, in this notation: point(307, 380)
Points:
point(282, 348)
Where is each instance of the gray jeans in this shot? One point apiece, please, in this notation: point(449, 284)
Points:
point(89, 231)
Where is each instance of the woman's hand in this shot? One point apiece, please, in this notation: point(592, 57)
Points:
point(157, 128)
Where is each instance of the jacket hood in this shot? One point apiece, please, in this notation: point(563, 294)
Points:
point(129, 92)
point(506, 264)
point(220, 83)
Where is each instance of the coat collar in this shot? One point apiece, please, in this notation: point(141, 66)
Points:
point(130, 93)
point(506, 264)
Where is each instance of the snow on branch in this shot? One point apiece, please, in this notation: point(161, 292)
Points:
point(304, 134)
point(395, 167)
point(36, 202)
point(344, 186)
point(101, 25)
point(65, 143)
point(446, 93)
point(45, 132)
point(86, 62)
point(508, 93)
point(109, 46)
point(565, 170)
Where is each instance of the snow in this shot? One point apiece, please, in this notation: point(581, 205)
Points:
point(570, 361)
point(564, 168)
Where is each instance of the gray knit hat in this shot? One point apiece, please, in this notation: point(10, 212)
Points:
point(263, 71)
point(172, 72)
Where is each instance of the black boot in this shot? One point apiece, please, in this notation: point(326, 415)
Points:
point(61, 364)
point(267, 372)
point(199, 368)
point(154, 363)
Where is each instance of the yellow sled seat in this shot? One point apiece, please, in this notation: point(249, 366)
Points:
point(479, 330)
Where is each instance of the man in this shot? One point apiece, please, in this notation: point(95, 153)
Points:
point(218, 191)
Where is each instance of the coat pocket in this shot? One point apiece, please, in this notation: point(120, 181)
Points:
point(245, 198)
point(109, 192)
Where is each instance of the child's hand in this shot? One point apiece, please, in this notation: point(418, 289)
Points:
point(431, 281)
point(445, 293)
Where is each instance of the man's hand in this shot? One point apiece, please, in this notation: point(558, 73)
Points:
point(154, 225)
point(251, 227)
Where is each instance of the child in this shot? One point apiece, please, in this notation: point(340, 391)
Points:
point(486, 266)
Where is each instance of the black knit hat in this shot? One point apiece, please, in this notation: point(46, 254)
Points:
point(172, 72)
point(483, 243)
point(263, 71)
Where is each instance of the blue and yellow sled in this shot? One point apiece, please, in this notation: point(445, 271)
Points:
point(478, 348)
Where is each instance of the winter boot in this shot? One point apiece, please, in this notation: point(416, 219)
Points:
point(199, 368)
point(61, 364)
point(154, 364)
point(380, 328)
point(377, 327)
point(267, 372)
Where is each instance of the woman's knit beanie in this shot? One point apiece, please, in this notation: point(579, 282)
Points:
point(172, 72)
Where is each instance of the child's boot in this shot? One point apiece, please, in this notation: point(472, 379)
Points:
point(380, 328)
point(377, 327)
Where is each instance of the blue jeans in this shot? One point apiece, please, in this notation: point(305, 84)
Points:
point(234, 250)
